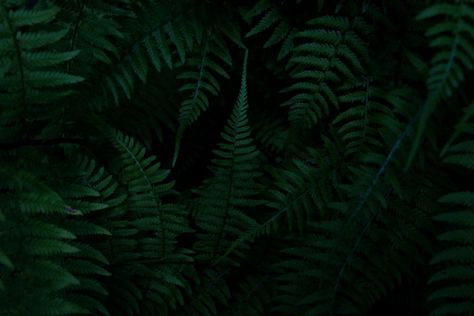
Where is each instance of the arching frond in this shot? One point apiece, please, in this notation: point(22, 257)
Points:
point(329, 51)
point(452, 36)
point(31, 60)
point(269, 18)
point(220, 211)
point(452, 279)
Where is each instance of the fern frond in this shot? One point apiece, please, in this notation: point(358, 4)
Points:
point(94, 31)
point(452, 280)
point(129, 239)
point(145, 184)
point(146, 228)
point(200, 81)
point(452, 37)
point(31, 59)
point(219, 211)
point(162, 38)
point(368, 120)
point(329, 51)
point(341, 247)
point(210, 292)
point(152, 113)
point(315, 284)
point(268, 17)
point(297, 193)
point(33, 240)
point(271, 133)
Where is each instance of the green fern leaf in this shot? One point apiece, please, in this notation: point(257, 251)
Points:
point(232, 187)
point(455, 51)
point(5, 260)
point(329, 53)
point(453, 291)
point(267, 16)
point(201, 81)
point(145, 183)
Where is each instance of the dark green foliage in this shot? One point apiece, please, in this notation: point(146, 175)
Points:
point(219, 210)
point(453, 279)
point(236, 158)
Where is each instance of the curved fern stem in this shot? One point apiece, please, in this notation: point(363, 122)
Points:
point(184, 122)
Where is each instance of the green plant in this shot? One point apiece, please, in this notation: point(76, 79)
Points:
point(236, 158)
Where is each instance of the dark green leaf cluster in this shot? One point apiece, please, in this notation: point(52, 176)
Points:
point(214, 158)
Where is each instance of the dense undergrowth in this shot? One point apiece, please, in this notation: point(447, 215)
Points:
point(236, 157)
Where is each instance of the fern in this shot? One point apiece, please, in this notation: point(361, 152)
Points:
point(152, 113)
point(155, 36)
point(232, 186)
point(368, 120)
point(271, 133)
point(451, 63)
point(201, 81)
point(30, 65)
point(453, 275)
point(326, 275)
point(210, 292)
point(330, 51)
point(37, 243)
point(270, 17)
point(145, 185)
point(165, 36)
point(112, 201)
point(93, 31)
